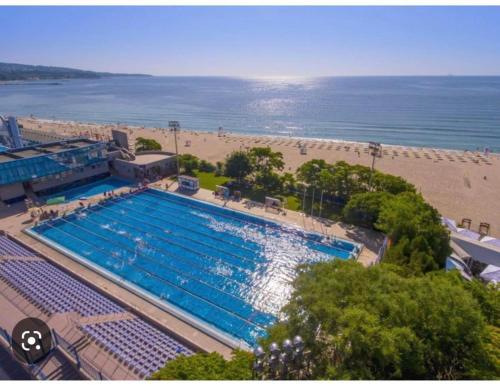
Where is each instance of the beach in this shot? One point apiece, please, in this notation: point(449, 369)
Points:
point(459, 184)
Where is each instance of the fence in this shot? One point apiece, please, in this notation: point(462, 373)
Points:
point(82, 364)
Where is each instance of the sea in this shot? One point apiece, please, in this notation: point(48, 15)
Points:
point(449, 112)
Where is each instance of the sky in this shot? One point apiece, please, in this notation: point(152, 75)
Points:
point(256, 41)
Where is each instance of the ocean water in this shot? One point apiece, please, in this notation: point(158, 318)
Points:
point(447, 112)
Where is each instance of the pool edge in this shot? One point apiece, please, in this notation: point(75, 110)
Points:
point(172, 309)
point(265, 218)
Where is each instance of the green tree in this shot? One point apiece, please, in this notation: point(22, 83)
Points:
point(488, 297)
point(344, 180)
point(205, 166)
point(269, 181)
point(188, 163)
point(265, 160)
point(219, 168)
point(207, 366)
point(391, 184)
point(145, 144)
point(373, 323)
point(309, 172)
point(418, 240)
point(289, 182)
point(364, 208)
point(238, 165)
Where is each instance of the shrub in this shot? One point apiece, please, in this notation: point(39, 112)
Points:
point(207, 366)
point(144, 144)
point(188, 163)
point(363, 209)
point(419, 241)
point(219, 168)
point(205, 166)
point(373, 323)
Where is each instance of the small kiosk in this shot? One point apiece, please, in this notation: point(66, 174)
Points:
point(188, 183)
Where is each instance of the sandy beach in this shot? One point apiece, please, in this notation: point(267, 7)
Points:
point(460, 184)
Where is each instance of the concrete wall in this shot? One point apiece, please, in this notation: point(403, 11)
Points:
point(14, 190)
point(125, 168)
point(70, 176)
point(131, 170)
point(121, 138)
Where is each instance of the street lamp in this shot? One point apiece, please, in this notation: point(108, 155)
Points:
point(280, 363)
point(175, 127)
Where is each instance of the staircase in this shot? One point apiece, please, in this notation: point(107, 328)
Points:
point(129, 155)
point(58, 367)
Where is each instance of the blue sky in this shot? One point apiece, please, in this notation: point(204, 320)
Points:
point(256, 41)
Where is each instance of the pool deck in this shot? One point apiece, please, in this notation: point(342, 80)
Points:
point(16, 218)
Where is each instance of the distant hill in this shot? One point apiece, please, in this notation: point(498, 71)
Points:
point(39, 72)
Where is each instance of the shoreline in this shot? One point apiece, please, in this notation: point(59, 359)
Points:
point(121, 126)
point(459, 184)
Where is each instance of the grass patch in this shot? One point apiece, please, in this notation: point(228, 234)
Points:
point(293, 202)
point(209, 181)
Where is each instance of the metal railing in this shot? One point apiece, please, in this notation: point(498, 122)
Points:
point(5, 335)
point(35, 370)
point(82, 364)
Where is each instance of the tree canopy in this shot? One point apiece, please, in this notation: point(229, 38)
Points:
point(237, 165)
point(373, 323)
point(207, 366)
point(265, 160)
point(343, 180)
point(418, 239)
point(145, 144)
point(188, 163)
point(363, 209)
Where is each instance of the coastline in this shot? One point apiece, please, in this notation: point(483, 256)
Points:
point(460, 184)
point(124, 126)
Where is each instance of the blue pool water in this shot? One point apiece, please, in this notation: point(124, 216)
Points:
point(91, 189)
point(228, 269)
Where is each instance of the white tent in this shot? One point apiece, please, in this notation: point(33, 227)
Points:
point(491, 274)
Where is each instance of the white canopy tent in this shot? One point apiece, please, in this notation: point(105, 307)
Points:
point(491, 274)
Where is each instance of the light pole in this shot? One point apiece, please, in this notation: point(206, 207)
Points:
point(175, 127)
point(375, 151)
point(312, 202)
point(290, 361)
point(320, 203)
point(304, 201)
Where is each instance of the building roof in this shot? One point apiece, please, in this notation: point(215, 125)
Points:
point(45, 149)
point(150, 158)
point(28, 163)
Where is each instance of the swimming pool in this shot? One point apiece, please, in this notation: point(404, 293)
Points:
point(91, 189)
point(228, 271)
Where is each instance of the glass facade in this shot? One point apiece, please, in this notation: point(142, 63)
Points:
point(27, 169)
